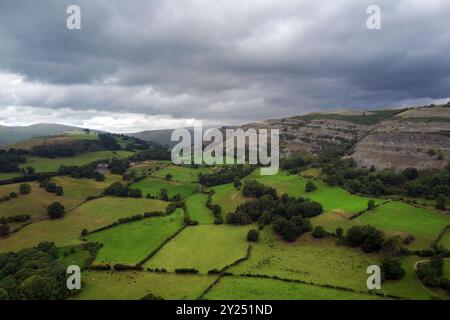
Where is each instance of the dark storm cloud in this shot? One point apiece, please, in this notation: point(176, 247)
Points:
point(224, 60)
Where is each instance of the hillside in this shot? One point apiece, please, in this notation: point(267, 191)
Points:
point(10, 135)
point(398, 138)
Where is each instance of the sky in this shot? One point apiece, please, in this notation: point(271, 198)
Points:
point(143, 65)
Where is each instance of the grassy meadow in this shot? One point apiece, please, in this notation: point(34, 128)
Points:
point(196, 205)
point(203, 247)
point(242, 288)
point(153, 186)
point(51, 165)
point(131, 242)
point(91, 215)
point(100, 285)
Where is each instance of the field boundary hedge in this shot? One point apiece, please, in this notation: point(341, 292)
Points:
point(360, 213)
point(157, 249)
point(126, 220)
point(326, 286)
point(222, 272)
point(441, 234)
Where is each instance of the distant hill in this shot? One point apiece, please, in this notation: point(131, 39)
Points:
point(159, 136)
point(10, 135)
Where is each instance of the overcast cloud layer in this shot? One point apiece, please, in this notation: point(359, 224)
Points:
point(139, 64)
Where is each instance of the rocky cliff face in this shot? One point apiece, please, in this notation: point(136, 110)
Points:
point(413, 137)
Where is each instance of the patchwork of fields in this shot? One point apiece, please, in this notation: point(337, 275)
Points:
point(272, 268)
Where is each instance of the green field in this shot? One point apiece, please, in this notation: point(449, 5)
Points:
point(182, 173)
point(242, 288)
point(196, 205)
point(83, 188)
point(331, 198)
point(35, 203)
point(399, 218)
point(228, 197)
point(408, 286)
point(307, 259)
point(135, 285)
point(203, 247)
point(445, 241)
point(131, 242)
point(51, 165)
point(153, 186)
point(91, 215)
point(6, 176)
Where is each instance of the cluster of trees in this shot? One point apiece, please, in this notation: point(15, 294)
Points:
point(33, 274)
point(431, 273)
point(215, 208)
point(155, 152)
point(289, 215)
point(11, 159)
point(53, 151)
point(108, 141)
point(225, 175)
point(51, 187)
point(295, 162)
point(429, 183)
point(255, 189)
point(86, 171)
point(119, 190)
point(119, 166)
point(369, 238)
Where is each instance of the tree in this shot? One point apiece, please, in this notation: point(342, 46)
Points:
point(339, 232)
point(252, 235)
point(310, 186)
point(164, 194)
point(24, 188)
point(441, 202)
point(59, 191)
point(30, 170)
point(410, 173)
point(371, 205)
point(319, 232)
point(237, 183)
point(169, 176)
point(392, 268)
point(4, 230)
point(56, 210)
point(13, 195)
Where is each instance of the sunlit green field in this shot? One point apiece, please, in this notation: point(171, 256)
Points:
point(153, 186)
point(135, 285)
point(307, 259)
point(182, 173)
point(131, 242)
point(35, 203)
point(241, 288)
point(228, 197)
point(331, 198)
point(403, 219)
point(51, 165)
point(202, 247)
point(196, 205)
point(91, 215)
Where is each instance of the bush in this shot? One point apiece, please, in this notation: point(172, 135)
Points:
point(56, 210)
point(13, 195)
point(310, 186)
point(370, 205)
point(339, 232)
point(252, 236)
point(59, 191)
point(4, 230)
point(24, 188)
point(392, 269)
point(319, 232)
point(368, 237)
point(186, 270)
